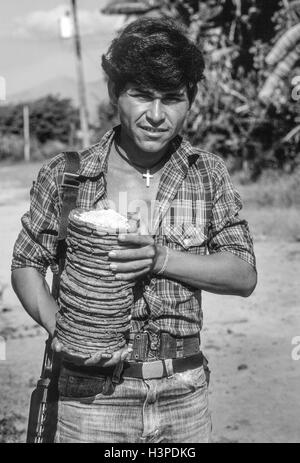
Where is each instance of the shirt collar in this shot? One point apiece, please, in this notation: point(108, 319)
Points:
point(182, 151)
point(93, 159)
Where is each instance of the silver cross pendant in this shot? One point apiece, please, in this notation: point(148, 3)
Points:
point(148, 177)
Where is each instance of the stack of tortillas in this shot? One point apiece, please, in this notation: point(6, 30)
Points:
point(95, 308)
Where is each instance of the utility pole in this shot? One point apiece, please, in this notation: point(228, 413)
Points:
point(26, 131)
point(83, 110)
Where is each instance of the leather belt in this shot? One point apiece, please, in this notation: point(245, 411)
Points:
point(161, 368)
point(144, 370)
point(148, 345)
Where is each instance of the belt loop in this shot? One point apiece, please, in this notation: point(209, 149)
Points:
point(154, 343)
point(168, 363)
point(140, 347)
point(179, 347)
point(117, 372)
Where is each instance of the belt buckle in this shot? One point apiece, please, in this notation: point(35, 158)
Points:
point(151, 370)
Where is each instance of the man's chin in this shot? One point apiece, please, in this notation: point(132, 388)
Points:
point(152, 146)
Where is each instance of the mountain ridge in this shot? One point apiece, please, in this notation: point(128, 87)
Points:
point(65, 87)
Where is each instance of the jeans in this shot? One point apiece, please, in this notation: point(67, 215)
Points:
point(171, 409)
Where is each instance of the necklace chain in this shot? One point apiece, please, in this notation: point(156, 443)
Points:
point(133, 163)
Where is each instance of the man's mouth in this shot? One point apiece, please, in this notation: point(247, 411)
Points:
point(154, 130)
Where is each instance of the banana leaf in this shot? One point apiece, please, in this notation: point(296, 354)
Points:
point(294, 10)
point(131, 7)
point(284, 45)
point(281, 71)
point(292, 133)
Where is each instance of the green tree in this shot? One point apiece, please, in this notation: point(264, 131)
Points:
point(236, 37)
point(51, 118)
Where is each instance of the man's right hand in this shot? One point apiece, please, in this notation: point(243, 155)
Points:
point(100, 359)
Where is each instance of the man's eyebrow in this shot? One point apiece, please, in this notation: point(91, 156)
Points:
point(169, 93)
point(140, 89)
point(180, 92)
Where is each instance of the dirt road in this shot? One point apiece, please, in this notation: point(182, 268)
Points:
point(254, 391)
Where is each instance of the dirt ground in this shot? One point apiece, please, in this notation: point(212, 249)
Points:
point(255, 383)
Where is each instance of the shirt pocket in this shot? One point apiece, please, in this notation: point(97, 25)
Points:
point(186, 236)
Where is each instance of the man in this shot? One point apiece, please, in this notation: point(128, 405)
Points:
point(196, 241)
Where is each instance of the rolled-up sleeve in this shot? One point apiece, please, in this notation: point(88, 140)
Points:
point(227, 230)
point(37, 242)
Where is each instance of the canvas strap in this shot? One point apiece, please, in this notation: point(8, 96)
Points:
point(70, 186)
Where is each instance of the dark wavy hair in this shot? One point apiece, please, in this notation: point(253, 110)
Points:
point(156, 54)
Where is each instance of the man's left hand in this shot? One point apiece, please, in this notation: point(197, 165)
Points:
point(141, 258)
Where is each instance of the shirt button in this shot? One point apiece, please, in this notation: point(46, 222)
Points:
point(147, 287)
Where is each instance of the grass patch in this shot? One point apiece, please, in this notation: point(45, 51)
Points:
point(272, 189)
point(272, 205)
point(12, 148)
point(273, 222)
point(12, 428)
point(19, 175)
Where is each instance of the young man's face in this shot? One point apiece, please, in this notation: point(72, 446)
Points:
point(151, 119)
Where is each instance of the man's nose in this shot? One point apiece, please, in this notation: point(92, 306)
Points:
point(156, 113)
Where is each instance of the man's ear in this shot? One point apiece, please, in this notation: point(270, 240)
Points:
point(112, 93)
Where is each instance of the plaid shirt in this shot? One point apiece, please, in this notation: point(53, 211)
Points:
point(196, 211)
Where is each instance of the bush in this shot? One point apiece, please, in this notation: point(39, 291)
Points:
point(50, 149)
point(11, 147)
point(107, 118)
point(272, 189)
point(51, 118)
point(230, 121)
point(229, 117)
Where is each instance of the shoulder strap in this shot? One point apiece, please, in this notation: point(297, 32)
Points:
point(70, 186)
point(42, 415)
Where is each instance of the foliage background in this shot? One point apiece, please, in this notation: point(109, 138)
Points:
point(247, 341)
point(229, 117)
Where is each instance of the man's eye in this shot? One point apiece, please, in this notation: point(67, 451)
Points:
point(142, 96)
point(171, 99)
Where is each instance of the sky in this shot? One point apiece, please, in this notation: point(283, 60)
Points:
point(32, 51)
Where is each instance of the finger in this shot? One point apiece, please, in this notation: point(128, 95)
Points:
point(118, 356)
point(77, 359)
point(126, 354)
point(133, 266)
point(97, 358)
point(133, 226)
point(94, 359)
point(131, 276)
point(146, 252)
point(139, 240)
point(106, 355)
point(56, 346)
